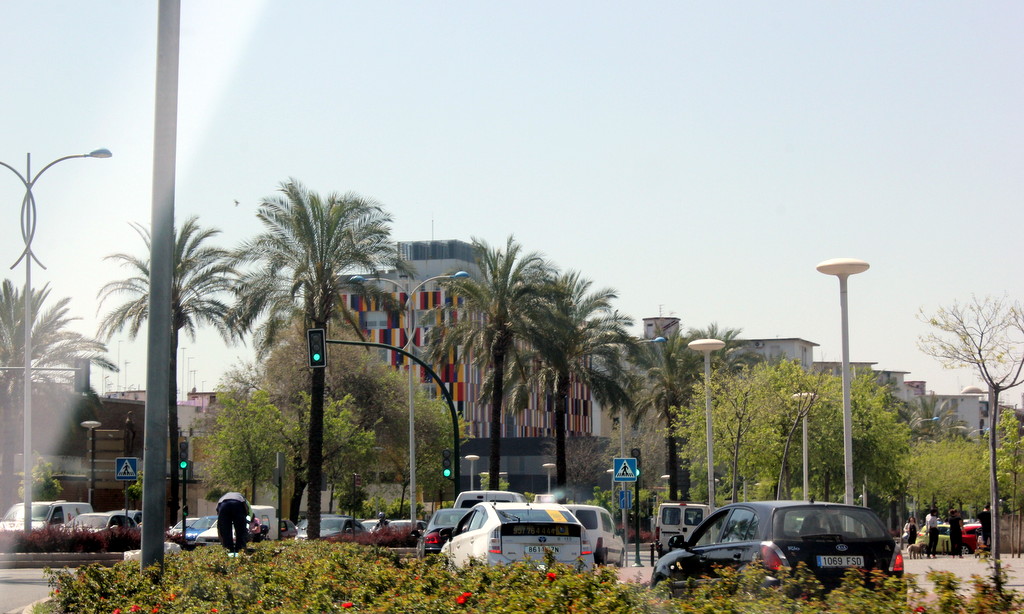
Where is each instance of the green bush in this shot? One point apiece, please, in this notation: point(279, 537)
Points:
point(60, 539)
point(319, 576)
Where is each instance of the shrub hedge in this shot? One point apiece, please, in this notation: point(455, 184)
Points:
point(319, 576)
point(61, 539)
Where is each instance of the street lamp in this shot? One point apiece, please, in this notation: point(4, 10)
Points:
point(843, 268)
point(92, 425)
point(549, 467)
point(706, 346)
point(472, 458)
point(410, 327)
point(28, 231)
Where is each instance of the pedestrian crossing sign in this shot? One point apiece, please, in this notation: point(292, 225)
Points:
point(126, 468)
point(624, 470)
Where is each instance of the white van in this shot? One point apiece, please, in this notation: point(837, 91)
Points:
point(469, 498)
point(608, 546)
point(676, 518)
point(44, 513)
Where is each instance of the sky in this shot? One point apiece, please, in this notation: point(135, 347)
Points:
point(699, 158)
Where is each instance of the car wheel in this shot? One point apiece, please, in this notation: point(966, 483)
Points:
point(966, 550)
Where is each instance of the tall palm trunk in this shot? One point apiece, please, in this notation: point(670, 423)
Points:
point(497, 394)
point(561, 413)
point(672, 460)
point(316, 449)
point(298, 487)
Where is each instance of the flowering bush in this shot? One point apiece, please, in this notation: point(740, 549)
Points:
point(319, 576)
point(61, 539)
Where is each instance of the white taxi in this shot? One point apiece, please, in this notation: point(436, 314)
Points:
point(500, 533)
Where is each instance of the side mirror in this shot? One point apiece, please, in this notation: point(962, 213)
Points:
point(414, 533)
point(676, 542)
point(446, 532)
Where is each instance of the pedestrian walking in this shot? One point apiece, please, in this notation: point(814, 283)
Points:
point(931, 523)
point(232, 525)
point(910, 530)
point(985, 519)
point(956, 534)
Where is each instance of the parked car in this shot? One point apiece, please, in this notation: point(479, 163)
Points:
point(469, 498)
point(971, 532)
point(430, 540)
point(332, 525)
point(608, 546)
point(287, 529)
point(193, 527)
point(499, 533)
point(268, 527)
point(98, 521)
point(676, 518)
point(828, 538)
point(44, 513)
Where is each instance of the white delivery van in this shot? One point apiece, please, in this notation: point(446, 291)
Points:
point(677, 518)
point(469, 498)
point(44, 513)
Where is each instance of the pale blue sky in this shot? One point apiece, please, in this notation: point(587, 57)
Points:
point(700, 158)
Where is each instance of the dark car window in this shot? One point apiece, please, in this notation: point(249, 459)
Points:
point(708, 532)
point(848, 522)
point(693, 516)
point(588, 518)
point(670, 515)
point(741, 527)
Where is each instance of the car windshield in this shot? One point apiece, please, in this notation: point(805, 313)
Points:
point(535, 515)
point(812, 522)
point(90, 521)
point(447, 518)
point(201, 524)
point(331, 524)
point(17, 512)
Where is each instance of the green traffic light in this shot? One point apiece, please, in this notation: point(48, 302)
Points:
point(316, 357)
point(183, 464)
point(447, 473)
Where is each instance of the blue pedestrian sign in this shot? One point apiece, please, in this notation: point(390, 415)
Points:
point(624, 470)
point(625, 499)
point(126, 468)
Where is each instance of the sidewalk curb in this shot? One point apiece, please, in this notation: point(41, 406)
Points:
point(57, 559)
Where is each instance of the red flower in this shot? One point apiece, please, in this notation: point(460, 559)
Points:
point(920, 608)
point(116, 611)
point(552, 575)
point(461, 599)
point(347, 604)
point(214, 610)
point(135, 608)
point(155, 609)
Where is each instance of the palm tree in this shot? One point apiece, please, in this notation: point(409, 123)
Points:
point(310, 246)
point(53, 345)
point(931, 420)
point(494, 317)
point(202, 274)
point(669, 372)
point(580, 339)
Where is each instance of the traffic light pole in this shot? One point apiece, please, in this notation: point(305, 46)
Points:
point(456, 456)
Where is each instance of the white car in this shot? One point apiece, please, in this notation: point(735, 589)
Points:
point(608, 546)
point(500, 533)
point(98, 521)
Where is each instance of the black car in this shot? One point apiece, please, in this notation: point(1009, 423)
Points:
point(828, 538)
point(430, 539)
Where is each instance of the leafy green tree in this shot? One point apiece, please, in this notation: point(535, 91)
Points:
point(579, 339)
point(201, 277)
point(243, 442)
point(308, 249)
point(45, 485)
point(1010, 458)
point(492, 319)
point(947, 473)
point(53, 345)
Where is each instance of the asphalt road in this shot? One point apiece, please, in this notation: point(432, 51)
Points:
point(20, 587)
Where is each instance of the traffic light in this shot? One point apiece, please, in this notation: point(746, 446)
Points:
point(357, 480)
point(82, 375)
point(635, 452)
point(183, 454)
point(184, 511)
point(446, 463)
point(316, 339)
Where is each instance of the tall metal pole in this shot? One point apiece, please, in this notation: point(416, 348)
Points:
point(410, 331)
point(807, 481)
point(158, 375)
point(706, 346)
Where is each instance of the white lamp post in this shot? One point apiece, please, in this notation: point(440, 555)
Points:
point(843, 268)
point(549, 467)
point(28, 231)
point(410, 329)
point(706, 346)
point(92, 425)
point(472, 458)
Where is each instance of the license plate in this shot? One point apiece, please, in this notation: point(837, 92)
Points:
point(837, 560)
point(541, 549)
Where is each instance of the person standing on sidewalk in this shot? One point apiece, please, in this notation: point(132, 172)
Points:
point(956, 534)
point(232, 510)
point(985, 519)
point(931, 523)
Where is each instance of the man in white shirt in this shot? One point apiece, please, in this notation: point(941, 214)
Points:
point(931, 524)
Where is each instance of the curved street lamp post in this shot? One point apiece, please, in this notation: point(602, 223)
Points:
point(410, 330)
point(28, 231)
